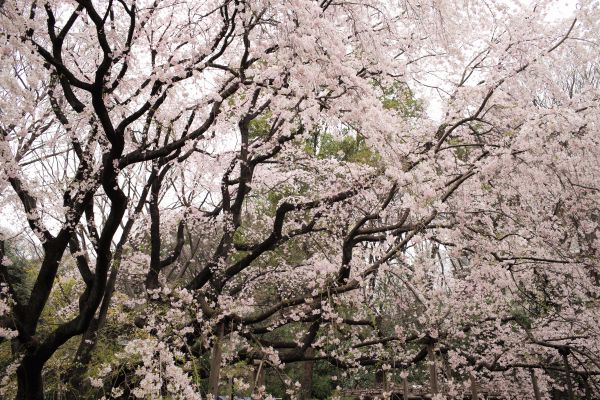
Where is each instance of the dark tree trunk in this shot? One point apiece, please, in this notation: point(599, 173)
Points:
point(534, 383)
point(564, 352)
point(215, 362)
point(89, 339)
point(433, 379)
point(474, 387)
point(307, 376)
point(29, 380)
point(259, 378)
point(83, 355)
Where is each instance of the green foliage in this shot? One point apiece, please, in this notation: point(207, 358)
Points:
point(22, 272)
point(462, 152)
point(322, 385)
point(400, 98)
point(521, 315)
point(352, 146)
point(349, 148)
point(260, 126)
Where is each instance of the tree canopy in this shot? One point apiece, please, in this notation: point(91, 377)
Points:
point(299, 199)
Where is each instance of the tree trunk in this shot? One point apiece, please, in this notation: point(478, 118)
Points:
point(215, 362)
point(89, 339)
point(474, 387)
point(259, 378)
point(433, 381)
point(83, 356)
point(564, 352)
point(380, 378)
point(405, 388)
point(534, 383)
point(29, 380)
point(307, 376)
point(588, 389)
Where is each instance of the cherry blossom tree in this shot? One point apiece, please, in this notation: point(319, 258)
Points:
point(262, 182)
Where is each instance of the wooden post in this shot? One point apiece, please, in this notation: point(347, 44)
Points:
point(534, 383)
point(215, 362)
point(433, 381)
